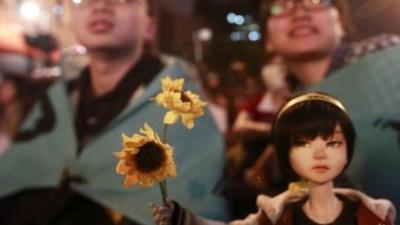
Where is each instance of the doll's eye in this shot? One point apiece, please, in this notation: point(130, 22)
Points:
point(334, 144)
point(300, 143)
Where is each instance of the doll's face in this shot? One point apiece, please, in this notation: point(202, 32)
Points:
point(320, 160)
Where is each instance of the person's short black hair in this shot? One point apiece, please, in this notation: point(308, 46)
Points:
point(341, 5)
point(152, 7)
point(307, 120)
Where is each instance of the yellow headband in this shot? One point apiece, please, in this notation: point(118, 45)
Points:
point(313, 96)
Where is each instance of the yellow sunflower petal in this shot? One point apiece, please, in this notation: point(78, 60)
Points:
point(188, 120)
point(137, 138)
point(172, 85)
point(146, 181)
point(177, 85)
point(171, 170)
point(160, 99)
point(180, 83)
point(174, 99)
point(119, 154)
point(148, 131)
point(195, 99)
point(130, 180)
point(132, 142)
point(125, 137)
point(122, 168)
point(130, 145)
point(166, 83)
point(170, 117)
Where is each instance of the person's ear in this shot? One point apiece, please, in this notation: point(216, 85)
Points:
point(339, 25)
point(269, 47)
point(151, 29)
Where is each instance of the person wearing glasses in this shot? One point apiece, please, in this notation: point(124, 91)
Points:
point(312, 36)
point(66, 175)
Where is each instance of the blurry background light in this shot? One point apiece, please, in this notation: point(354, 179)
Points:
point(58, 9)
point(35, 16)
point(30, 11)
point(238, 36)
point(254, 35)
point(230, 17)
point(234, 18)
point(235, 36)
point(204, 34)
point(239, 20)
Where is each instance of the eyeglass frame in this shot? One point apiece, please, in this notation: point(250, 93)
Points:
point(83, 3)
point(306, 4)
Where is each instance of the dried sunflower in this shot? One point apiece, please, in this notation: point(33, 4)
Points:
point(169, 85)
point(186, 104)
point(145, 159)
point(298, 188)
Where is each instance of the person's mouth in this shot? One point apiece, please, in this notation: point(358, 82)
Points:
point(302, 31)
point(99, 26)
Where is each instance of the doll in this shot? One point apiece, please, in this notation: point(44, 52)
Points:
point(314, 139)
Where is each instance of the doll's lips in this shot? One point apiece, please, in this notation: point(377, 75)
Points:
point(320, 168)
point(99, 26)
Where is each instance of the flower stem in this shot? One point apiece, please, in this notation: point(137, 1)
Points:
point(163, 184)
point(165, 133)
point(163, 189)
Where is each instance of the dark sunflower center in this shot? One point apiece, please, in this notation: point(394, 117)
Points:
point(185, 98)
point(150, 157)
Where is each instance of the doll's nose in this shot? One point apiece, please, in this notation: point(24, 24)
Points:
point(320, 153)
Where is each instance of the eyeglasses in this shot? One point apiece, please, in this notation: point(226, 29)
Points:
point(91, 2)
point(280, 8)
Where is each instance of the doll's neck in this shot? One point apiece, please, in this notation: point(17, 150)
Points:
point(322, 205)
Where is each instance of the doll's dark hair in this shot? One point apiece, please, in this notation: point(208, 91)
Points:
point(306, 117)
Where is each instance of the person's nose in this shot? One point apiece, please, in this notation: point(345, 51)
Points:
point(299, 10)
point(102, 3)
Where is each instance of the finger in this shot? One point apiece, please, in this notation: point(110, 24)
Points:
point(151, 205)
point(160, 220)
point(157, 219)
point(160, 211)
point(153, 209)
point(164, 210)
point(170, 203)
point(164, 217)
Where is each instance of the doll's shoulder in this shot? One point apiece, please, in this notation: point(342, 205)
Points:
point(381, 210)
point(278, 207)
point(281, 208)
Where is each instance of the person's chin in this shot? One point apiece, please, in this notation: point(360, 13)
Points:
point(99, 42)
point(306, 52)
point(322, 179)
point(100, 46)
